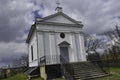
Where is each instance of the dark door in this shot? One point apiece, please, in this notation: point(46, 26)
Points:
point(64, 53)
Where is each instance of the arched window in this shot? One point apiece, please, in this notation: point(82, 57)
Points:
point(32, 52)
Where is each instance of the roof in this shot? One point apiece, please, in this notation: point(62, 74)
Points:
point(30, 33)
point(56, 14)
point(43, 22)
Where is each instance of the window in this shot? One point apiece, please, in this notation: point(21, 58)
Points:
point(32, 52)
point(62, 35)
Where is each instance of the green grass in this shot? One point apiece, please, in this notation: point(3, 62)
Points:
point(114, 71)
point(20, 76)
point(115, 75)
point(38, 78)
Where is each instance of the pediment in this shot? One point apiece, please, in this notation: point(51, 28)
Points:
point(64, 43)
point(59, 18)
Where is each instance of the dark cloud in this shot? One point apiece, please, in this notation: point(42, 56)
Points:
point(13, 15)
point(6, 59)
point(16, 17)
point(96, 15)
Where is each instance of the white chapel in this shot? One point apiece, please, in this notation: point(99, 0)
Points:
point(54, 40)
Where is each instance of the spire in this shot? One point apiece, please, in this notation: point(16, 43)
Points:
point(58, 8)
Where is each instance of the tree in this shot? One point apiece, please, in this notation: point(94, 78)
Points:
point(21, 62)
point(114, 35)
point(93, 43)
point(114, 48)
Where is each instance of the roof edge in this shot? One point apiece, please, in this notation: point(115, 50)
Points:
point(30, 33)
point(58, 13)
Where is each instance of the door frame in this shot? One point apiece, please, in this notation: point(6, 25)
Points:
point(66, 45)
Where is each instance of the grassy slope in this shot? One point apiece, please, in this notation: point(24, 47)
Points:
point(114, 71)
point(20, 76)
point(115, 75)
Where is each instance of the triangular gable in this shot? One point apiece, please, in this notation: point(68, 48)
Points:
point(64, 44)
point(59, 17)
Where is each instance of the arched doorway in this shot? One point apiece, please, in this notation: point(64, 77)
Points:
point(64, 51)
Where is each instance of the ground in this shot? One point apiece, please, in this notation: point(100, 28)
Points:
point(115, 74)
point(21, 76)
point(114, 71)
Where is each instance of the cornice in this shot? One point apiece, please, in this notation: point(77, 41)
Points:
point(60, 24)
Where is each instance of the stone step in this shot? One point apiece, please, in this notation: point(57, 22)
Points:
point(90, 77)
point(85, 66)
point(89, 74)
point(87, 70)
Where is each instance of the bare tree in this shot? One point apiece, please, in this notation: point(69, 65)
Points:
point(114, 50)
point(21, 62)
point(114, 35)
point(92, 43)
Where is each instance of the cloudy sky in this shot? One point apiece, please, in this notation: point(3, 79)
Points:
point(16, 17)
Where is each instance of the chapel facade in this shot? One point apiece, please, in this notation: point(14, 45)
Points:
point(56, 47)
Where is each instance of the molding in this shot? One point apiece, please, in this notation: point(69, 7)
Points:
point(33, 60)
point(60, 24)
point(52, 32)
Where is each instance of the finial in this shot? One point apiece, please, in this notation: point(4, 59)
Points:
point(58, 8)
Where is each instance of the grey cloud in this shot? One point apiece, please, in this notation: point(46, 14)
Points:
point(96, 15)
point(7, 59)
point(16, 15)
point(13, 16)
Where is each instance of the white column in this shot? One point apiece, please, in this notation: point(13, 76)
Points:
point(53, 52)
point(78, 45)
point(57, 47)
point(74, 50)
point(83, 47)
point(41, 44)
point(47, 47)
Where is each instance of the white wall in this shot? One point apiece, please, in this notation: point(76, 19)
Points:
point(83, 52)
point(48, 38)
point(49, 41)
point(41, 44)
point(32, 42)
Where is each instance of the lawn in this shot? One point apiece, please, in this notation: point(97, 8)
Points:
point(114, 71)
point(115, 75)
point(20, 76)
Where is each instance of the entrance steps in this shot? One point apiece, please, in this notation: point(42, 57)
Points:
point(86, 71)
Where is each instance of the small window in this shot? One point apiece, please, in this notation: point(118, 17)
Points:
point(62, 35)
point(32, 52)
